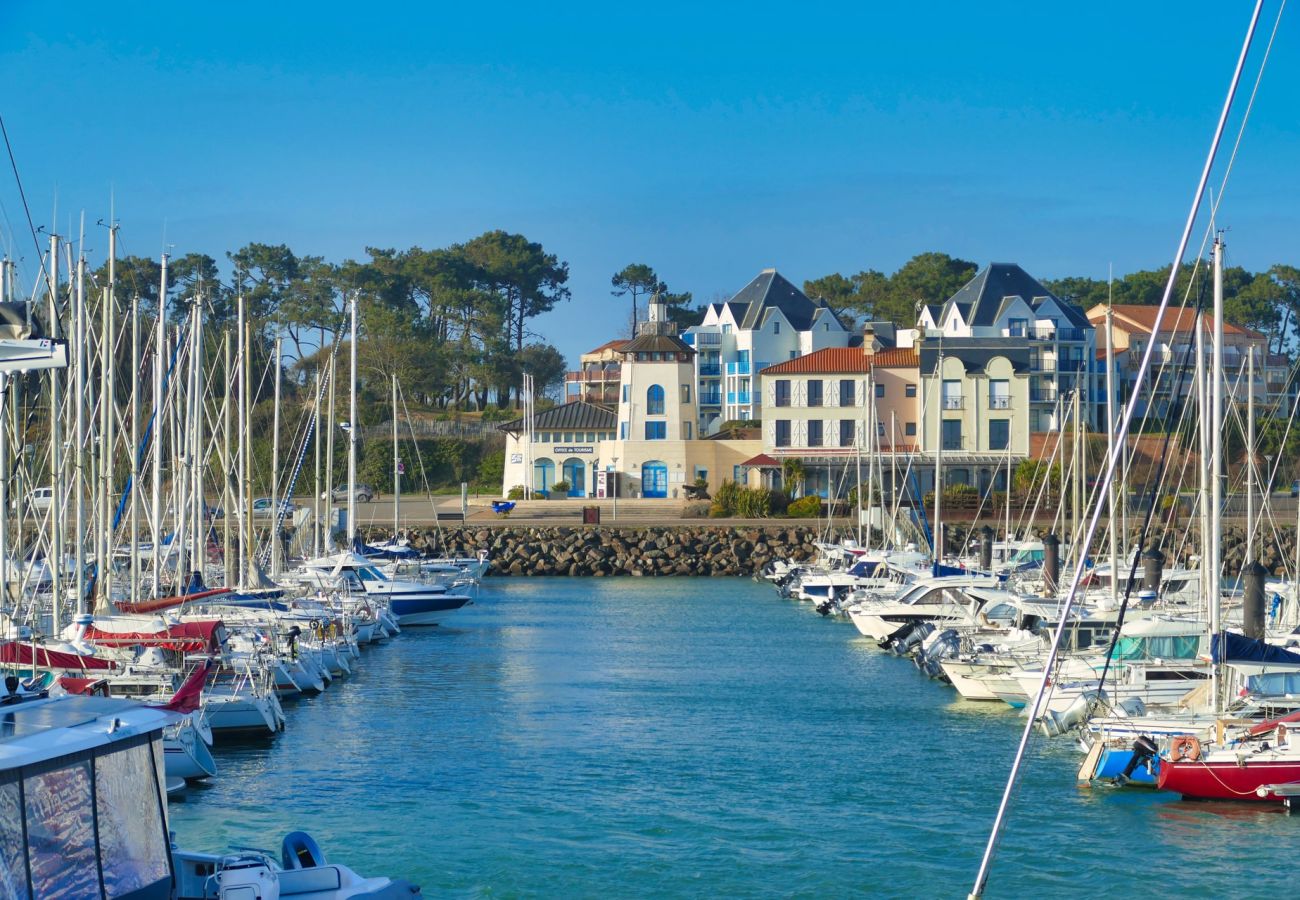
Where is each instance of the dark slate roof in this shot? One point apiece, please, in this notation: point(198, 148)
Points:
point(771, 290)
point(661, 343)
point(1078, 318)
point(980, 299)
point(975, 353)
point(576, 416)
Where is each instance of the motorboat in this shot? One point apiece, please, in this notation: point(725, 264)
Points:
point(408, 602)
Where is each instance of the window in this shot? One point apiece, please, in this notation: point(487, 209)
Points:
point(846, 392)
point(815, 392)
point(656, 431)
point(794, 354)
point(909, 390)
point(726, 329)
point(814, 432)
point(880, 391)
point(782, 433)
point(910, 429)
point(776, 326)
point(654, 400)
point(952, 434)
point(591, 437)
point(622, 431)
point(1000, 394)
point(686, 393)
point(686, 430)
point(625, 388)
point(847, 432)
point(952, 395)
point(568, 437)
point(1018, 327)
point(782, 391)
point(999, 434)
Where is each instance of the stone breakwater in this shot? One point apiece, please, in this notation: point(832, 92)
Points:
point(602, 550)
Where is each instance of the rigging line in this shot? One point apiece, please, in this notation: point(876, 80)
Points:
point(981, 878)
point(13, 164)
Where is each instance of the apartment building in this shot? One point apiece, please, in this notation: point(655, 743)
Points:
point(1007, 306)
point(1168, 387)
point(822, 407)
point(768, 321)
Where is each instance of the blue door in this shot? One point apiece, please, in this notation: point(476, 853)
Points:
point(654, 479)
point(543, 475)
point(575, 473)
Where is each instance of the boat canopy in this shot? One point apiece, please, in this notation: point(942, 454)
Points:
point(183, 637)
point(17, 653)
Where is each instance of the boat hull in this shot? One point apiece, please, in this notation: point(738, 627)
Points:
point(430, 609)
point(1228, 779)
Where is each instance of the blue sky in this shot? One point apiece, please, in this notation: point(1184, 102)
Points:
point(708, 141)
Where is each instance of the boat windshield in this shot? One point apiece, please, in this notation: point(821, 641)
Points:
point(1163, 646)
point(1027, 555)
point(72, 819)
point(369, 573)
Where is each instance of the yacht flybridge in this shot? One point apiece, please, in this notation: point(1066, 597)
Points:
point(83, 814)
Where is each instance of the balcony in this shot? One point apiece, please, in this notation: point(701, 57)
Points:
point(594, 376)
point(738, 368)
point(742, 398)
point(999, 403)
point(1042, 395)
point(710, 399)
point(1070, 334)
point(953, 403)
point(1042, 365)
point(705, 338)
point(710, 370)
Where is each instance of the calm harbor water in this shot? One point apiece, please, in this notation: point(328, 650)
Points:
point(688, 737)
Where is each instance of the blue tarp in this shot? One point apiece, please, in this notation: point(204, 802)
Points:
point(1239, 648)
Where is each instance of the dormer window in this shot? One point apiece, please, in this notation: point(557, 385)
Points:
point(776, 327)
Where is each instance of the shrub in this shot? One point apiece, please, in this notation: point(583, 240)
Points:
point(778, 502)
point(517, 492)
point(560, 487)
point(754, 503)
point(717, 510)
point(698, 509)
point(805, 507)
point(727, 498)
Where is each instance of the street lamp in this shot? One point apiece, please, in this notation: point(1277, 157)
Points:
point(614, 486)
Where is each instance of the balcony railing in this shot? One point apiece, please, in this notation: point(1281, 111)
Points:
point(1042, 365)
point(742, 398)
point(999, 403)
point(710, 370)
point(593, 376)
point(710, 399)
point(1069, 334)
point(738, 368)
point(706, 338)
point(952, 403)
point(1039, 395)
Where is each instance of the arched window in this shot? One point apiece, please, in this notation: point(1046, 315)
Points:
point(654, 400)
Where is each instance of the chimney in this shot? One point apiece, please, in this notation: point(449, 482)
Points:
point(869, 339)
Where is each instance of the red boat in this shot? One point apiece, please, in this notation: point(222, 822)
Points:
point(1263, 765)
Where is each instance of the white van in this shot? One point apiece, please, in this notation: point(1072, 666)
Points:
point(40, 498)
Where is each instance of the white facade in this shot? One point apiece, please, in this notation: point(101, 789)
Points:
point(769, 321)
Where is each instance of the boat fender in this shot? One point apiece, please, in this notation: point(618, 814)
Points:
point(299, 850)
point(1186, 748)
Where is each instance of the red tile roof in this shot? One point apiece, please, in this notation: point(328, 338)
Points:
point(840, 360)
point(1175, 320)
point(616, 344)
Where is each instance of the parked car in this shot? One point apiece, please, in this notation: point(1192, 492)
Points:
point(364, 494)
point(40, 498)
point(263, 508)
point(1295, 488)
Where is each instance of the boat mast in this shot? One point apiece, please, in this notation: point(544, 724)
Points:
point(56, 450)
point(1110, 441)
point(1250, 454)
point(857, 458)
point(352, 431)
point(135, 448)
point(227, 558)
point(938, 457)
point(197, 502)
point(241, 500)
point(397, 478)
point(107, 430)
point(1214, 549)
point(79, 418)
point(159, 361)
point(275, 468)
point(1203, 467)
point(328, 538)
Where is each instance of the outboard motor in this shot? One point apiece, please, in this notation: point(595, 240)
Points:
point(912, 640)
point(1054, 724)
point(901, 632)
point(937, 648)
point(247, 877)
point(1144, 750)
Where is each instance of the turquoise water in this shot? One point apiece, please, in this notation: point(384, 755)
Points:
point(694, 737)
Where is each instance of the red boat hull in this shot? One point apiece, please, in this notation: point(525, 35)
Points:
point(148, 606)
point(1226, 780)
